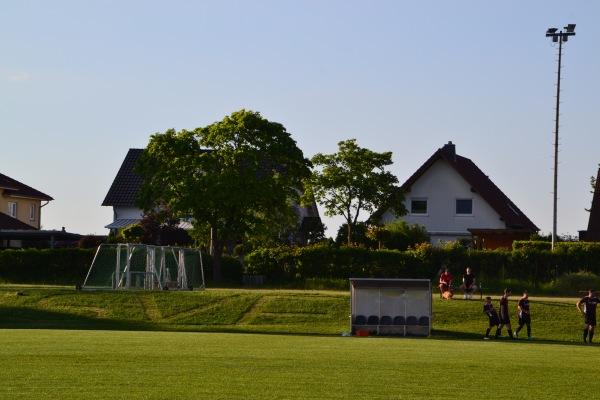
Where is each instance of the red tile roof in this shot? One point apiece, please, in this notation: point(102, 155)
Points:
point(480, 183)
point(17, 189)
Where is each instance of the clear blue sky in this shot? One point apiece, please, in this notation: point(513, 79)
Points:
point(81, 82)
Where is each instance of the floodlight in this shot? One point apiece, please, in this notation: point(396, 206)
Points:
point(570, 28)
point(551, 30)
point(565, 38)
point(555, 38)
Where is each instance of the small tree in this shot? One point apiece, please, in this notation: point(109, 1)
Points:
point(351, 181)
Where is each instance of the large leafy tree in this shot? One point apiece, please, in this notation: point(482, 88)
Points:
point(354, 180)
point(236, 176)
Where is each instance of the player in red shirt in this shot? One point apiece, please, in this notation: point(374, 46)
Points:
point(589, 311)
point(445, 281)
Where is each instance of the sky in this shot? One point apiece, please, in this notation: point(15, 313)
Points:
point(83, 81)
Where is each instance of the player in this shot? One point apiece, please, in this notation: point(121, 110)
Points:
point(446, 283)
point(589, 311)
point(468, 284)
point(490, 311)
point(504, 315)
point(524, 315)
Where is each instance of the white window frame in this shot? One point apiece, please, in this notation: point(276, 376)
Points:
point(12, 209)
point(32, 212)
point(456, 208)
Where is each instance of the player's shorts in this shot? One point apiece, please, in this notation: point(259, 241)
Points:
point(525, 319)
point(494, 321)
point(590, 320)
point(505, 320)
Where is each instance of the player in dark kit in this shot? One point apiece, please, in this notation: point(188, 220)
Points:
point(524, 315)
point(504, 316)
point(589, 311)
point(490, 311)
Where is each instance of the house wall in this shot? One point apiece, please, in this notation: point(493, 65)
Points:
point(23, 205)
point(441, 185)
point(127, 212)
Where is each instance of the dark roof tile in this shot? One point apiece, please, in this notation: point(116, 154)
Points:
point(9, 223)
point(15, 188)
point(593, 230)
point(126, 186)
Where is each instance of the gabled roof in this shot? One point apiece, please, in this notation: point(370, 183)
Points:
point(15, 188)
point(480, 183)
point(9, 223)
point(593, 230)
point(126, 186)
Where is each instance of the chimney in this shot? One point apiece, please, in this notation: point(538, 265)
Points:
point(450, 149)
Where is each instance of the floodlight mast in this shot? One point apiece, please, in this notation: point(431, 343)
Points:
point(560, 37)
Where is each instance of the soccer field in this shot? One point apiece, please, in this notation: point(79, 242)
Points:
point(61, 364)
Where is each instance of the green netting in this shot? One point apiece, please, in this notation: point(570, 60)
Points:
point(143, 267)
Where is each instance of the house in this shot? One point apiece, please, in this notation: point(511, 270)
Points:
point(125, 189)
point(20, 215)
point(453, 199)
point(592, 234)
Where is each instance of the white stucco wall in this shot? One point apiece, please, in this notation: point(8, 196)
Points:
point(127, 212)
point(441, 186)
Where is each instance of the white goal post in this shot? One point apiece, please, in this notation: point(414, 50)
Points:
point(128, 266)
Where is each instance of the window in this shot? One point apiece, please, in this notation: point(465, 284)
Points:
point(12, 209)
point(32, 212)
point(418, 206)
point(464, 206)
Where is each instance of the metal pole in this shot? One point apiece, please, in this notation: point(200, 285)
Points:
point(555, 210)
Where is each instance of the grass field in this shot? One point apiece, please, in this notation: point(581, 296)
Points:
point(56, 364)
point(61, 344)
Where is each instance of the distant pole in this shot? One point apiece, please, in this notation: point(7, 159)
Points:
point(559, 37)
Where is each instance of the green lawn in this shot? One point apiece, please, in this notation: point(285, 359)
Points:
point(58, 343)
point(57, 364)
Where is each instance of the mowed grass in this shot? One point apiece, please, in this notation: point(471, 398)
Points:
point(58, 343)
point(57, 364)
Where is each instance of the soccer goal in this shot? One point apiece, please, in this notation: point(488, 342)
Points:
point(144, 267)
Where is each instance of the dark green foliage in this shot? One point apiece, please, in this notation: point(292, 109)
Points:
point(530, 266)
point(48, 267)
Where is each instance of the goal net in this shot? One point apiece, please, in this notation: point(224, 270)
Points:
point(144, 267)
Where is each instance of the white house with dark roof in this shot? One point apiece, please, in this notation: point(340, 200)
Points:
point(453, 199)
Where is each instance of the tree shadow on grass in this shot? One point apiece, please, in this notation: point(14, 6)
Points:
point(30, 318)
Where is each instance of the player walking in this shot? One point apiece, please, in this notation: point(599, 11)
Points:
point(504, 316)
point(589, 311)
point(524, 315)
point(490, 311)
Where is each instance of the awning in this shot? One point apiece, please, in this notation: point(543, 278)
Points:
point(122, 223)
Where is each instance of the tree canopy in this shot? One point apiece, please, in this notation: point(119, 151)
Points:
point(237, 175)
point(353, 180)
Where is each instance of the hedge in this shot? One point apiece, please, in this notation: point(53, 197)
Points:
point(70, 267)
point(527, 263)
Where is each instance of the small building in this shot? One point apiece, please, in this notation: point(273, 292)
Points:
point(390, 306)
